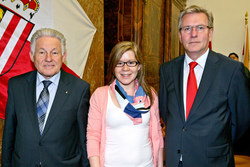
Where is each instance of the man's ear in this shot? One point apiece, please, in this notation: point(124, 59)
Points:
point(64, 57)
point(31, 56)
point(211, 32)
point(180, 38)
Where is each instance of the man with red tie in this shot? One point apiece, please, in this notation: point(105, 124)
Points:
point(204, 98)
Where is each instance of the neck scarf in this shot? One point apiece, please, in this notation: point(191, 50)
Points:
point(133, 106)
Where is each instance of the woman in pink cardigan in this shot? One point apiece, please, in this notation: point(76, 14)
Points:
point(123, 125)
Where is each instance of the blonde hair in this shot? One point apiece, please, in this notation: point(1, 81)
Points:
point(116, 53)
point(47, 32)
point(196, 9)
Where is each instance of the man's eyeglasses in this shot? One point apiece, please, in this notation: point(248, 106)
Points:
point(198, 28)
point(129, 63)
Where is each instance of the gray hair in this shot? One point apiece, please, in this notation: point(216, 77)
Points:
point(196, 9)
point(50, 33)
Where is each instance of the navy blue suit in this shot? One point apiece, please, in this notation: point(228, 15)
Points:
point(220, 113)
point(63, 143)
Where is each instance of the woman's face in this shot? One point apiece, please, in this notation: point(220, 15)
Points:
point(126, 75)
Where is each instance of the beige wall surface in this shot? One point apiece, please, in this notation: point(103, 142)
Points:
point(229, 23)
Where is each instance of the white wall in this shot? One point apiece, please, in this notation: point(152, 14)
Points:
point(229, 23)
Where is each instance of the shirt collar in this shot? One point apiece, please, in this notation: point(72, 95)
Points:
point(201, 60)
point(54, 79)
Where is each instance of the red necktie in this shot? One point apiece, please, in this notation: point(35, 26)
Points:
point(191, 87)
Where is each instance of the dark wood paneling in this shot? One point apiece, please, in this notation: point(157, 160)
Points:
point(153, 39)
point(122, 22)
point(167, 32)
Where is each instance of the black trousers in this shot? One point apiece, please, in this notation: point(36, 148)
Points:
point(180, 164)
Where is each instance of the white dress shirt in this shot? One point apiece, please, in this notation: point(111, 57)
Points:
point(198, 70)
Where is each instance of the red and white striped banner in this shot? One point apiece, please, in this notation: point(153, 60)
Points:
point(14, 32)
point(19, 19)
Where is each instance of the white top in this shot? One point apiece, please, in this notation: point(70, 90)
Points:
point(127, 145)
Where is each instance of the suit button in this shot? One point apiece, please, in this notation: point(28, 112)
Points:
point(184, 129)
point(178, 151)
point(40, 143)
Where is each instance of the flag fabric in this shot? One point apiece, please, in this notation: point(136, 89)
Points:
point(14, 33)
point(245, 54)
point(14, 49)
point(210, 45)
point(19, 19)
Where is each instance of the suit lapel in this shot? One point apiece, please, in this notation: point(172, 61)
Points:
point(206, 81)
point(177, 72)
point(30, 92)
point(63, 91)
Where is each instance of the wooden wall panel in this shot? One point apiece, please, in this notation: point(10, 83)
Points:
point(176, 46)
point(137, 21)
point(152, 39)
point(124, 25)
point(94, 69)
point(110, 25)
point(111, 9)
point(122, 22)
point(167, 31)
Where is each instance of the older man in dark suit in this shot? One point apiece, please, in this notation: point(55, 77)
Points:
point(204, 98)
point(46, 113)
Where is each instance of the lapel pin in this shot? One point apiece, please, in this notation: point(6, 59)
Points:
point(66, 92)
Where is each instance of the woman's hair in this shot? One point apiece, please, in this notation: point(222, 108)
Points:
point(196, 9)
point(50, 33)
point(116, 53)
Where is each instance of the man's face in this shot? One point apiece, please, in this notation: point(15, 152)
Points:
point(195, 42)
point(48, 56)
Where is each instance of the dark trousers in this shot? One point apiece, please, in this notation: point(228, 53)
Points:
point(180, 164)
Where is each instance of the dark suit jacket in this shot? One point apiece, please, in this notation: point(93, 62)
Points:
point(63, 143)
point(220, 112)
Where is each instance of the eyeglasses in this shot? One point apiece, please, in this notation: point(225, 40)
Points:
point(129, 63)
point(198, 28)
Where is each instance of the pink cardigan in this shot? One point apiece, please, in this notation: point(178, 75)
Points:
point(96, 134)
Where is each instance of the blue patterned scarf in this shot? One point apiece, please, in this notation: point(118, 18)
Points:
point(134, 105)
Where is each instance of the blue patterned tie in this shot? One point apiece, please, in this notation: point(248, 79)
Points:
point(42, 105)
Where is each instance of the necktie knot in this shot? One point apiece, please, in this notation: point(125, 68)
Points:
point(46, 83)
point(193, 64)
